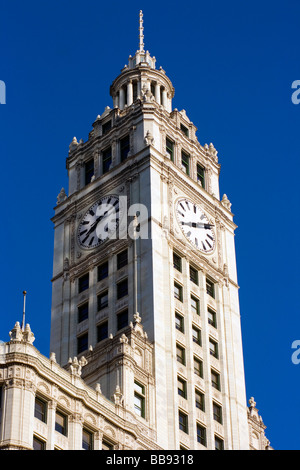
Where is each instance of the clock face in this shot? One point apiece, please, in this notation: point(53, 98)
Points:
point(100, 223)
point(195, 226)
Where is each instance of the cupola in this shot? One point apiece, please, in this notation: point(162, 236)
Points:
point(140, 77)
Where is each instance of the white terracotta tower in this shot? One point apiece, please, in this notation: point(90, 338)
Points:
point(143, 172)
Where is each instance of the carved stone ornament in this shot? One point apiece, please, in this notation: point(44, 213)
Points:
point(61, 196)
point(226, 203)
point(17, 334)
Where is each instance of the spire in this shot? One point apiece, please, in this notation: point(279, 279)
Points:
point(141, 32)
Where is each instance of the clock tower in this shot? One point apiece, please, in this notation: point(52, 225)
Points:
point(144, 259)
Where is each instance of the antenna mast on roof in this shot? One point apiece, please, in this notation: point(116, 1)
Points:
point(24, 302)
point(141, 32)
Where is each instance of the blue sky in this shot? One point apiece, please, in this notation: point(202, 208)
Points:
point(232, 65)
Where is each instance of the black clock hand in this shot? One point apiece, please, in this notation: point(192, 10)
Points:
point(95, 224)
point(198, 225)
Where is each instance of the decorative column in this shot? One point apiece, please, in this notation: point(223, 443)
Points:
point(129, 93)
point(75, 431)
point(164, 98)
point(157, 93)
point(51, 410)
point(121, 98)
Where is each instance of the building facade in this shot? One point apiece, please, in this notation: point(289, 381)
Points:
point(145, 326)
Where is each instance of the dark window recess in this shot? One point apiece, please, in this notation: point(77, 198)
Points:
point(102, 300)
point(122, 259)
point(183, 422)
point(201, 435)
point(177, 262)
point(102, 331)
point(194, 275)
point(106, 160)
point(199, 400)
point(212, 317)
point(61, 423)
point(83, 282)
point(38, 444)
point(106, 127)
point(87, 440)
point(170, 149)
point(185, 162)
point(177, 291)
point(103, 271)
point(184, 130)
point(124, 147)
point(88, 171)
point(210, 288)
point(83, 312)
point(122, 319)
point(122, 289)
point(179, 322)
point(40, 410)
point(201, 175)
point(181, 384)
point(82, 343)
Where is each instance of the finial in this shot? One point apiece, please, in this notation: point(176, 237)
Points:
point(141, 32)
point(24, 301)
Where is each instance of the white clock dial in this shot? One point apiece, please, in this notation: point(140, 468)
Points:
point(99, 223)
point(195, 225)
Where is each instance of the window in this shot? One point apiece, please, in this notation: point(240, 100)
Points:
point(219, 443)
point(83, 282)
point(179, 322)
point(170, 149)
point(122, 259)
point(87, 440)
point(106, 160)
point(122, 289)
point(40, 410)
point(177, 262)
point(215, 380)
point(180, 354)
point(61, 422)
point(82, 343)
point(195, 305)
point(102, 300)
point(210, 288)
point(139, 399)
point(213, 348)
point(194, 275)
point(217, 412)
point(102, 331)
point(185, 162)
point(88, 171)
point(83, 312)
point(198, 367)
point(201, 434)
point(183, 422)
point(107, 445)
point(177, 291)
point(212, 317)
point(184, 130)
point(103, 271)
point(196, 335)
point(106, 127)
point(124, 148)
point(38, 444)
point(122, 319)
point(181, 385)
point(201, 175)
point(199, 400)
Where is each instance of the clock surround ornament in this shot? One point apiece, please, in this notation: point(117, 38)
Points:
point(195, 225)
